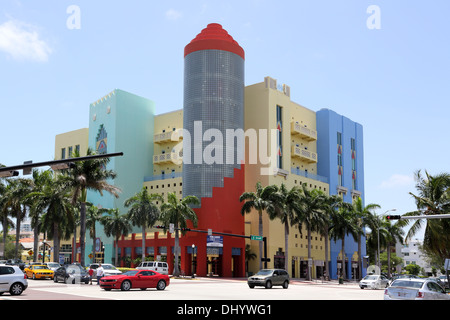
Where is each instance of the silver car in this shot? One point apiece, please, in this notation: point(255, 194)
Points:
point(374, 281)
point(268, 278)
point(415, 289)
point(12, 280)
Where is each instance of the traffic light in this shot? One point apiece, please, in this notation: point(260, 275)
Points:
point(393, 217)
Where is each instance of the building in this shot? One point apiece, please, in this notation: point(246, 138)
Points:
point(225, 139)
point(340, 146)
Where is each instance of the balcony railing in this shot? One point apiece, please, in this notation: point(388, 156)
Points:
point(167, 176)
point(304, 132)
point(305, 174)
point(168, 136)
point(304, 154)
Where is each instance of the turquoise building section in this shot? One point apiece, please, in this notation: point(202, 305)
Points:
point(120, 122)
point(341, 160)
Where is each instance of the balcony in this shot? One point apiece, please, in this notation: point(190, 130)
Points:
point(304, 132)
point(174, 157)
point(303, 154)
point(169, 136)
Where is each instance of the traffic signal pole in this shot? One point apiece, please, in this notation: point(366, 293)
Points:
point(433, 216)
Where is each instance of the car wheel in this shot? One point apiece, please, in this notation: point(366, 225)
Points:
point(251, 286)
point(161, 285)
point(268, 284)
point(126, 285)
point(16, 289)
point(285, 284)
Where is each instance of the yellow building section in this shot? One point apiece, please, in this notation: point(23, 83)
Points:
point(292, 149)
point(67, 143)
point(168, 139)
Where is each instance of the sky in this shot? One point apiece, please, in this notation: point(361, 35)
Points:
point(383, 64)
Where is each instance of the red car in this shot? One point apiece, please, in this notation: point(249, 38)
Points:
point(135, 279)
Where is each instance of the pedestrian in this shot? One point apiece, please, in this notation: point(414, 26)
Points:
point(99, 273)
point(91, 274)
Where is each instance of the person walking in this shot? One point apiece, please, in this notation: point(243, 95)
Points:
point(99, 273)
point(91, 274)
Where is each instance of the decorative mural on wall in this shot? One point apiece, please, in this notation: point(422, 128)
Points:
point(102, 141)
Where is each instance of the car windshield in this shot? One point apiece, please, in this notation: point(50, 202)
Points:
point(370, 278)
point(108, 267)
point(39, 267)
point(264, 272)
point(131, 273)
point(74, 269)
point(53, 265)
point(407, 284)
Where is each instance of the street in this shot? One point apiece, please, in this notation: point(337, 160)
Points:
point(199, 289)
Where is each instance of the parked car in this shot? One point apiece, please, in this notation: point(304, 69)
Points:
point(38, 271)
point(108, 270)
point(135, 279)
point(268, 278)
point(415, 289)
point(444, 280)
point(12, 280)
point(16, 262)
point(71, 273)
point(160, 267)
point(374, 281)
point(53, 265)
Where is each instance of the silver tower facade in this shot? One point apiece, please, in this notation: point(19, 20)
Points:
point(213, 103)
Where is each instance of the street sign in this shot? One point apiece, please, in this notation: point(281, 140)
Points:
point(257, 238)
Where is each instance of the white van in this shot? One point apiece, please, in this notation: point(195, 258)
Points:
point(161, 267)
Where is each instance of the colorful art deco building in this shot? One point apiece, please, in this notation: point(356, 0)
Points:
point(189, 152)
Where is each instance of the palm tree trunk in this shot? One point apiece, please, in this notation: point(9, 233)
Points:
point(116, 262)
point(260, 242)
point(143, 243)
point(343, 257)
point(55, 242)
point(82, 232)
point(326, 239)
point(286, 246)
point(176, 271)
point(359, 258)
point(309, 253)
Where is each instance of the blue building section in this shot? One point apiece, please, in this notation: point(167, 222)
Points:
point(340, 146)
point(120, 122)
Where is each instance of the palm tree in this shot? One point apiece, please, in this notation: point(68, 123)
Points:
point(14, 199)
point(330, 207)
point(286, 208)
point(260, 201)
point(178, 212)
point(54, 200)
point(311, 215)
point(40, 180)
point(395, 234)
point(88, 175)
point(143, 212)
point(4, 214)
point(116, 225)
point(362, 217)
point(343, 224)
point(93, 215)
point(433, 198)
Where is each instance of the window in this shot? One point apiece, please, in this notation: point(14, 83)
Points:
point(280, 136)
point(63, 153)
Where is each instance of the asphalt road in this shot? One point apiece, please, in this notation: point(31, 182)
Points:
point(199, 289)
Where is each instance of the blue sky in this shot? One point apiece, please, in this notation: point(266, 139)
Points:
point(393, 80)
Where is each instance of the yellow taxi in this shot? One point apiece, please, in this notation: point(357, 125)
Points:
point(39, 271)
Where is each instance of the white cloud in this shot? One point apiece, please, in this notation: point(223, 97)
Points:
point(22, 42)
point(172, 14)
point(397, 180)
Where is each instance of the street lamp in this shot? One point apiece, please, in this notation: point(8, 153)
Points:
point(379, 265)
